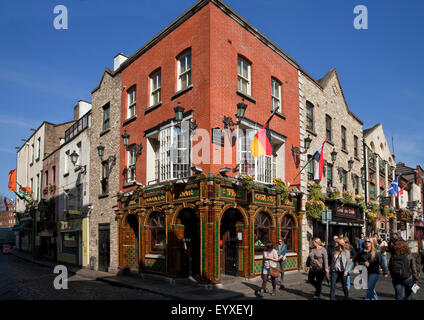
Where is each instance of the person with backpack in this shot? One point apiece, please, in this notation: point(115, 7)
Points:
point(371, 259)
point(403, 270)
point(339, 268)
point(317, 266)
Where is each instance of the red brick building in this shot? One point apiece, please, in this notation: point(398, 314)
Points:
point(7, 217)
point(177, 216)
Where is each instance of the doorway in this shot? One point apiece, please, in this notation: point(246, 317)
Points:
point(230, 240)
point(190, 264)
point(104, 247)
point(129, 243)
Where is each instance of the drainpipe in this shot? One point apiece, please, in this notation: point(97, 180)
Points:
point(365, 181)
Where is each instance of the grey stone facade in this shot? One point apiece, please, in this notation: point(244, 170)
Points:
point(327, 98)
point(102, 212)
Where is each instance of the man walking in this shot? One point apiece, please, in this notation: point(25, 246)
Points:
point(361, 242)
point(282, 251)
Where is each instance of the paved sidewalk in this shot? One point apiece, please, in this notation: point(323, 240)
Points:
point(231, 287)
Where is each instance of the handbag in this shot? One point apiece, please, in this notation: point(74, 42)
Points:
point(274, 272)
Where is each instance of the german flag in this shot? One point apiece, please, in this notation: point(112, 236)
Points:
point(261, 142)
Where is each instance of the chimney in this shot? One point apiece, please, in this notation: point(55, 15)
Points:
point(118, 60)
point(76, 112)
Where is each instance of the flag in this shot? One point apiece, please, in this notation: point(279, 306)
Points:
point(12, 180)
point(261, 142)
point(401, 190)
point(394, 187)
point(319, 156)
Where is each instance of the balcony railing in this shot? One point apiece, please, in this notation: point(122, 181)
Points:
point(77, 127)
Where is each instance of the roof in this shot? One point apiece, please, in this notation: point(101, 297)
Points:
point(369, 130)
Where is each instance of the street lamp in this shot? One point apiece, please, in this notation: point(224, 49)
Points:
point(126, 140)
point(74, 159)
point(241, 110)
point(101, 151)
point(179, 118)
point(350, 164)
point(307, 143)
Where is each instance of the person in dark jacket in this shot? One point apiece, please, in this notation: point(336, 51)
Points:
point(403, 270)
point(371, 258)
point(339, 266)
point(353, 254)
point(317, 266)
point(392, 242)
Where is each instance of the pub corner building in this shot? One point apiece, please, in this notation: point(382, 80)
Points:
point(181, 219)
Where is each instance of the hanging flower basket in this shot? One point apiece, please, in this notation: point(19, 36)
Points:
point(347, 197)
point(247, 182)
point(333, 193)
point(280, 185)
point(372, 216)
point(385, 211)
point(391, 216)
point(314, 208)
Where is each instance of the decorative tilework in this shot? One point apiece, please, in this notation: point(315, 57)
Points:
point(155, 265)
point(130, 256)
point(291, 263)
point(258, 267)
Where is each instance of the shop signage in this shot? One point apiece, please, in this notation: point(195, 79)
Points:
point(263, 198)
point(187, 194)
point(77, 212)
point(230, 193)
point(160, 198)
point(349, 211)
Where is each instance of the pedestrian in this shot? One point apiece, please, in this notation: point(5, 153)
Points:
point(331, 247)
point(317, 266)
point(356, 244)
point(371, 259)
point(353, 254)
point(339, 267)
point(383, 250)
point(392, 241)
point(282, 251)
point(361, 242)
point(403, 270)
point(270, 259)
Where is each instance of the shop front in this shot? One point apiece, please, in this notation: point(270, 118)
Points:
point(205, 227)
point(72, 242)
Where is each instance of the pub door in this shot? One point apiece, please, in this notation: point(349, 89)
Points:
point(229, 248)
point(129, 243)
point(104, 247)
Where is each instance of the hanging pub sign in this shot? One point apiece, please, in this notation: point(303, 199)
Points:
point(218, 137)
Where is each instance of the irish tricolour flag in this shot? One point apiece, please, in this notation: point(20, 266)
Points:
point(319, 156)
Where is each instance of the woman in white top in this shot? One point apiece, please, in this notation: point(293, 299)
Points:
point(270, 259)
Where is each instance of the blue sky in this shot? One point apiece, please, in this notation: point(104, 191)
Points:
point(46, 71)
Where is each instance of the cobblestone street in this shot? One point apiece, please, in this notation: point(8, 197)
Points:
point(21, 280)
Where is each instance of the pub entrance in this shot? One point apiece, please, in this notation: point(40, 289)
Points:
point(129, 243)
point(229, 241)
point(104, 247)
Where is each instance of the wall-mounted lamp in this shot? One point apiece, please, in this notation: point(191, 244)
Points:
point(350, 164)
point(138, 148)
point(101, 151)
point(74, 159)
point(223, 171)
point(179, 111)
point(197, 170)
point(241, 110)
point(334, 155)
point(297, 151)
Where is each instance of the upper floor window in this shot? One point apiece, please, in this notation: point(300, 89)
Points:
point(329, 175)
point(309, 116)
point(131, 161)
point(344, 138)
point(105, 177)
point(106, 117)
point(344, 179)
point(243, 71)
point(310, 168)
point(184, 70)
point(32, 153)
point(66, 162)
point(38, 148)
point(131, 102)
point(155, 86)
point(275, 94)
point(355, 179)
point(355, 146)
point(328, 127)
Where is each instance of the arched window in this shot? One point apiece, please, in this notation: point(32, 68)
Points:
point(288, 227)
point(157, 232)
point(263, 225)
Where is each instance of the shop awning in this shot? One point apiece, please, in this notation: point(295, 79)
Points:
point(22, 225)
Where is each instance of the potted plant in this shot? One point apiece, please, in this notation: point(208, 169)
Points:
point(247, 181)
point(280, 185)
point(333, 193)
point(347, 197)
point(315, 203)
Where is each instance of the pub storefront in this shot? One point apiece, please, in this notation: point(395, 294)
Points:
point(347, 220)
point(205, 227)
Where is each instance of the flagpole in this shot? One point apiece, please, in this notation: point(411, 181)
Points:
point(270, 117)
point(301, 170)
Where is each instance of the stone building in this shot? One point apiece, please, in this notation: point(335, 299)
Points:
point(324, 114)
point(74, 195)
point(104, 173)
point(380, 168)
point(7, 213)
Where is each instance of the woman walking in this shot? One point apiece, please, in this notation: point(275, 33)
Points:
point(317, 263)
point(403, 270)
point(353, 254)
point(371, 259)
point(339, 267)
point(270, 259)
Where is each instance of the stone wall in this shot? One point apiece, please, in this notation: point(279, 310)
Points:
point(103, 206)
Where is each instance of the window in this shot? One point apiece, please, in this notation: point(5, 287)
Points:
point(131, 161)
point(344, 179)
point(155, 85)
point(356, 183)
point(329, 175)
point(47, 178)
point(174, 153)
point(355, 146)
point(184, 70)
point(105, 177)
point(372, 191)
point(32, 153)
point(131, 102)
point(157, 232)
point(38, 187)
point(310, 168)
point(275, 94)
point(343, 138)
point(243, 72)
point(263, 224)
point(38, 148)
point(54, 174)
point(262, 168)
point(288, 227)
point(69, 242)
point(32, 186)
point(328, 127)
point(77, 127)
point(309, 116)
point(106, 117)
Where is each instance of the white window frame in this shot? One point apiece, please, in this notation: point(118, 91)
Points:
point(241, 77)
point(264, 167)
point(276, 88)
point(155, 78)
point(130, 165)
point(66, 163)
point(186, 56)
point(131, 102)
